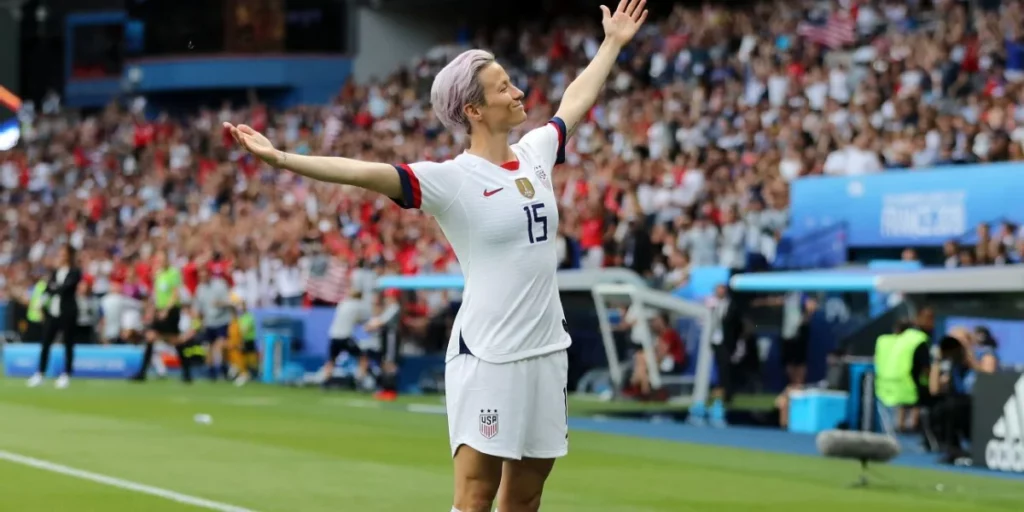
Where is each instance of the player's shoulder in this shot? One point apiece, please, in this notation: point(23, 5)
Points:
point(544, 140)
point(551, 130)
point(429, 166)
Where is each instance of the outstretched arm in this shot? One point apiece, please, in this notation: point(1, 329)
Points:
point(619, 29)
point(345, 171)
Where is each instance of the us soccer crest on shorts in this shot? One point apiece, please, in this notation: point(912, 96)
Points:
point(488, 423)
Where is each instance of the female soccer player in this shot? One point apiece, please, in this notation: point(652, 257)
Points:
point(506, 369)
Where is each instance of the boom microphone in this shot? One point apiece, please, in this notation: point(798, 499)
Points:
point(856, 445)
point(867, 446)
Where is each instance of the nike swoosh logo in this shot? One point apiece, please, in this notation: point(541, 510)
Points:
point(489, 193)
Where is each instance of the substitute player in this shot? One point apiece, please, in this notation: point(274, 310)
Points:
point(506, 367)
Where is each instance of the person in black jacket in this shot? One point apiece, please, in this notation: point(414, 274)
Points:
point(60, 315)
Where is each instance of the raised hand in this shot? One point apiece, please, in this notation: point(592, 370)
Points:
point(621, 26)
point(255, 143)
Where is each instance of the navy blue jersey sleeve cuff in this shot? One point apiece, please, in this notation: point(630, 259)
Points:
point(559, 125)
point(411, 194)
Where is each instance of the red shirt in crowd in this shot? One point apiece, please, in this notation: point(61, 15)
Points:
point(591, 231)
point(671, 344)
point(144, 274)
point(190, 276)
point(407, 260)
point(222, 269)
point(144, 134)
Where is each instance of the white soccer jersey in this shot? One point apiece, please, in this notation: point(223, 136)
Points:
point(501, 221)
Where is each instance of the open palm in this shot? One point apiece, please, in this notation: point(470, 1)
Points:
point(623, 24)
point(255, 143)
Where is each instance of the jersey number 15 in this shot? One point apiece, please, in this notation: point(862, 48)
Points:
point(536, 220)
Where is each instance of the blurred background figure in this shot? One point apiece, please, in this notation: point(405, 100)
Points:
point(60, 311)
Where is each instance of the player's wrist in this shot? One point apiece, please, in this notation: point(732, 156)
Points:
point(280, 157)
point(613, 44)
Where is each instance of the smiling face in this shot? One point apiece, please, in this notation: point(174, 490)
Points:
point(502, 106)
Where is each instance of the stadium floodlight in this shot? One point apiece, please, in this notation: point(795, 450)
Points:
point(643, 300)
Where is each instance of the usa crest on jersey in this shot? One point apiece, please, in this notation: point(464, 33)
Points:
point(542, 176)
point(489, 423)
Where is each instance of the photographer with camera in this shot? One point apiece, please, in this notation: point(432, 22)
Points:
point(957, 360)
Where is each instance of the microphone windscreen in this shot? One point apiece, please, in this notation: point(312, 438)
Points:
point(858, 445)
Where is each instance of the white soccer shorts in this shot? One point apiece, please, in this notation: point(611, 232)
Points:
point(510, 410)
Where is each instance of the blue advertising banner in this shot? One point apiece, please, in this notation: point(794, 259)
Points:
point(91, 361)
point(909, 208)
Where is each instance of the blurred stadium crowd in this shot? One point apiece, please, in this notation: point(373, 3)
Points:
point(685, 161)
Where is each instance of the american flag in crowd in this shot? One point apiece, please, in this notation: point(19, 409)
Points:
point(328, 280)
point(835, 31)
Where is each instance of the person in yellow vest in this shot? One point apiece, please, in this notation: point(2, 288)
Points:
point(902, 364)
point(35, 306)
point(166, 312)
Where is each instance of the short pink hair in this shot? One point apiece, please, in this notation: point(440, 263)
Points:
point(458, 85)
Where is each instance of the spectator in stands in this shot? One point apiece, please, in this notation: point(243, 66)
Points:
point(637, 249)
point(967, 258)
point(290, 279)
point(951, 253)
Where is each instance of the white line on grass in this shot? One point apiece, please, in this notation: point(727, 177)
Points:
point(426, 409)
point(119, 483)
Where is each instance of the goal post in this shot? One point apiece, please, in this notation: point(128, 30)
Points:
point(644, 300)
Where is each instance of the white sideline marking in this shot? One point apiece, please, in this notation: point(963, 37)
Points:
point(426, 409)
point(120, 484)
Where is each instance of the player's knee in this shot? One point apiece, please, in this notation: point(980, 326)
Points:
point(477, 478)
point(475, 495)
point(522, 502)
point(523, 484)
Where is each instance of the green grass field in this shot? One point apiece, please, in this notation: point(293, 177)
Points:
point(301, 450)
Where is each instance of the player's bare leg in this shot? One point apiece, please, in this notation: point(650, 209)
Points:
point(477, 477)
point(522, 483)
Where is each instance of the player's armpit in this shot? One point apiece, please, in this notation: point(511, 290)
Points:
point(429, 186)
